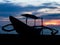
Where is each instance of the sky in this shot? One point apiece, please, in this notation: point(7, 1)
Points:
point(48, 9)
point(37, 7)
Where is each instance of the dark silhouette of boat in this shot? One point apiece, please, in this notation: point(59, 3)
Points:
point(21, 27)
point(27, 31)
point(30, 16)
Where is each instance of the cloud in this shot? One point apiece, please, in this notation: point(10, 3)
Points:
point(51, 16)
point(31, 2)
point(50, 8)
point(49, 11)
point(51, 4)
point(7, 9)
point(28, 2)
point(25, 2)
point(30, 12)
point(2, 1)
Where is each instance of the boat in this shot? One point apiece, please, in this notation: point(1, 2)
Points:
point(25, 30)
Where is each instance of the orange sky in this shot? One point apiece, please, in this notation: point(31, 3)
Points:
point(51, 22)
point(47, 22)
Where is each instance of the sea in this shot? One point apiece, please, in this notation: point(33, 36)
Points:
point(45, 31)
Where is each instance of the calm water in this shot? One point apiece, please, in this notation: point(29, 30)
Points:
point(45, 31)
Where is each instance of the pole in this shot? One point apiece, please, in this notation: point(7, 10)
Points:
point(26, 20)
point(34, 22)
point(41, 21)
point(42, 25)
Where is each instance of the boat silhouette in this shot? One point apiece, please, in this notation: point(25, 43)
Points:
point(24, 30)
point(30, 16)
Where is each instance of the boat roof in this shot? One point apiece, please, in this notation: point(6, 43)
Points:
point(30, 16)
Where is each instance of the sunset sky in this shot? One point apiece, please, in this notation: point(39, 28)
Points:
point(49, 10)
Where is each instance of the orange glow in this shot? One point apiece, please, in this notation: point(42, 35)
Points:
point(52, 22)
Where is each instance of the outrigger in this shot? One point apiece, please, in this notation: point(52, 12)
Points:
point(25, 30)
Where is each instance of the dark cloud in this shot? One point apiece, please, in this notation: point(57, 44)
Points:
point(51, 5)
point(10, 7)
point(6, 0)
point(51, 16)
point(47, 4)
